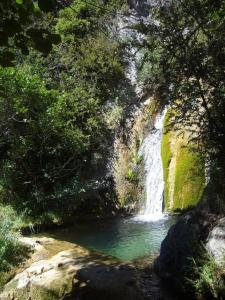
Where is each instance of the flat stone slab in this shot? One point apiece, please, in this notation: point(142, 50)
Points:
point(61, 270)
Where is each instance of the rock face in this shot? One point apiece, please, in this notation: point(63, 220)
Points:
point(128, 163)
point(184, 171)
point(182, 243)
point(61, 270)
point(141, 7)
point(216, 241)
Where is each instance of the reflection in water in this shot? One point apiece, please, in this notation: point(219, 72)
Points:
point(125, 239)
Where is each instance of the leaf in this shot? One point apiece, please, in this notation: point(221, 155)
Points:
point(19, 1)
point(47, 5)
point(11, 27)
point(21, 43)
point(35, 33)
point(6, 59)
point(3, 38)
point(24, 49)
point(54, 38)
point(43, 45)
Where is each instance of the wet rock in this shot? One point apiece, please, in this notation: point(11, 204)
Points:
point(140, 6)
point(216, 241)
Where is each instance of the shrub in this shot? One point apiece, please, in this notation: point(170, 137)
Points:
point(209, 281)
point(132, 175)
point(12, 250)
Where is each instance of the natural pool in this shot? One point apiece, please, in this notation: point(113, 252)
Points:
point(126, 239)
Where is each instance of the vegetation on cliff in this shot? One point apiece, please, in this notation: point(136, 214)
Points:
point(183, 59)
point(183, 168)
point(208, 278)
point(59, 67)
point(53, 130)
point(62, 68)
point(129, 163)
point(184, 65)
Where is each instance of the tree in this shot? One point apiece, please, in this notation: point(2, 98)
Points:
point(184, 62)
point(46, 142)
point(20, 29)
point(53, 133)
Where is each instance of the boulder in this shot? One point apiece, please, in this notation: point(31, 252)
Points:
point(45, 279)
point(216, 241)
point(182, 243)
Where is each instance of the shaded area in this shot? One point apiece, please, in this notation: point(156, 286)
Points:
point(123, 281)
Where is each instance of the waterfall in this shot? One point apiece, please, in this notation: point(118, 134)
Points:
point(151, 148)
point(154, 184)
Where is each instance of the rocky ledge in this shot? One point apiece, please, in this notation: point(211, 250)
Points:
point(61, 270)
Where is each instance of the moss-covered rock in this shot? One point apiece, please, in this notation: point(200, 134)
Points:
point(184, 172)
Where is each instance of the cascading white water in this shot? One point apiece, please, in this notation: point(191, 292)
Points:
point(151, 148)
point(154, 184)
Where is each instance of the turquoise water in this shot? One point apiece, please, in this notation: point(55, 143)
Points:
point(126, 239)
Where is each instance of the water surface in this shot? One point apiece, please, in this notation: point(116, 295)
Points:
point(126, 239)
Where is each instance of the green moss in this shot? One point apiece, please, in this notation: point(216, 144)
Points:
point(136, 159)
point(188, 171)
point(132, 175)
point(166, 157)
point(189, 179)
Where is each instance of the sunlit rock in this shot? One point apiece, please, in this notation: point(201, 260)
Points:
point(216, 241)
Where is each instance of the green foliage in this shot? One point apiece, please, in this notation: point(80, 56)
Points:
point(53, 130)
point(45, 139)
point(136, 159)
point(78, 20)
point(17, 33)
point(132, 175)
point(113, 115)
point(183, 60)
point(209, 279)
point(12, 251)
point(89, 58)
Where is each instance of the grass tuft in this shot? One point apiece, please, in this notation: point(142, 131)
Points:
point(12, 250)
point(209, 278)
